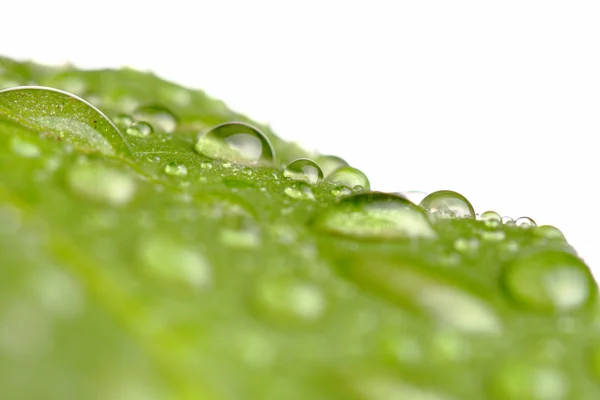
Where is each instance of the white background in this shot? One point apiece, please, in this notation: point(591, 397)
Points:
point(499, 101)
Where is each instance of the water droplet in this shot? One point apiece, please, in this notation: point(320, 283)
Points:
point(525, 380)
point(300, 191)
point(236, 141)
point(140, 129)
point(549, 232)
point(304, 169)
point(491, 216)
point(340, 191)
point(349, 177)
point(525, 222)
point(100, 183)
point(123, 121)
point(448, 204)
point(415, 196)
point(375, 215)
point(227, 164)
point(358, 189)
point(289, 301)
point(24, 148)
point(508, 221)
point(168, 260)
point(549, 281)
point(70, 117)
point(329, 164)
point(467, 246)
point(206, 165)
point(176, 169)
point(161, 118)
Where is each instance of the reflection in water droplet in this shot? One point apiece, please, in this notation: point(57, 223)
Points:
point(24, 148)
point(491, 216)
point(329, 164)
point(140, 129)
point(304, 169)
point(340, 191)
point(375, 215)
point(166, 260)
point(161, 118)
point(123, 121)
point(349, 177)
point(525, 222)
point(72, 118)
point(101, 183)
point(236, 141)
point(549, 281)
point(176, 169)
point(448, 204)
point(289, 301)
point(522, 379)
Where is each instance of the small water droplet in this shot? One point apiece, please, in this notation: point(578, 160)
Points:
point(349, 177)
point(247, 171)
point(375, 215)
point(24, 148)
point(161, 118)
point(549, 281)
point(491, 216)
point(300, 191)
point(236, 141)
point(525, 222)
point(303, 169)
point(206, 165)
point(139, 129)
point(467, 246)
point(448, 204)
point(340, 191)
point(285, 300)
point(123, 121)
point(176, 169)
point(330, 163)
point(358, 189)
point(521, 379)
point(508, 221)
point(101, 183)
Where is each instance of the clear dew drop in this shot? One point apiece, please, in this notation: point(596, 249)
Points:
point(491, 216)
point(448, 204)
point(167, 260)
point(176, 169)
point(303, 169)
point(285, 300)
point(341, 191)
point(525, 380)
point(139, 129)
point(549, 280)
point(300, 191)
point(375, 215)
point(206, 165)
point(330, 163)
point(24, 148)
point(238, 142)
point(161, 118)
point(123, 121)
point(100, 183)
point(349, 177)
point(525, 222)
point(508, 221)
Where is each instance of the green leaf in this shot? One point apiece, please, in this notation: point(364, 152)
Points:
point(135, 266)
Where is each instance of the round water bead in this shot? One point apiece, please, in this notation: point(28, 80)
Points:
point(525, 222)
point(349, 177)
point(491, 216)
point(175, 169)
point(123, 121)
point(303, 169)
point(448, 204)
point(161, 118)
point(375, 215)
point(139, 129)
point(508, 221)
point(236, 141)
point(549, 232)
point(330, 163)
point(549, 280)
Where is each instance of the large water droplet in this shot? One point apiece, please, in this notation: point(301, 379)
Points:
point(140, 129)
point(72, 118)
point(330, 163)
point(375, 215)
point(287, 300)
point(101, 183)
point(161, 118)
point(304, 169)
point(349, 177)
point(236, 141)
point(521, 380)
point(549, 232)
point(549, 281)
point(176, 169)
point(448, 204)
